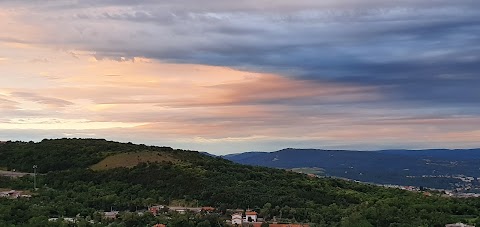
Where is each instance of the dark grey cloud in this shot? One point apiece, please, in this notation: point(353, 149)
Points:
point(424, 53)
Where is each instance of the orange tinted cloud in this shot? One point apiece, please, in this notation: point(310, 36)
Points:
point(204, 107)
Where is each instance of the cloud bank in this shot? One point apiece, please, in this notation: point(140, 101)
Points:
point(209, 74)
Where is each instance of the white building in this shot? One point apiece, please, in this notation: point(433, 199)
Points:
point(111, 214)
point(11, 194)
point(181, 211)
point(458, 225)
point(251, 216)
point(237, 219)
point(71, 220)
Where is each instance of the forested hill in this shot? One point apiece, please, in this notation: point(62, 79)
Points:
point(63, 154)
point(80, 177)
point(430, 168)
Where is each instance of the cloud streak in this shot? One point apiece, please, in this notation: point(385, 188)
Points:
point(53, 102)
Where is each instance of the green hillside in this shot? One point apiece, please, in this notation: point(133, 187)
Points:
point(73, 183)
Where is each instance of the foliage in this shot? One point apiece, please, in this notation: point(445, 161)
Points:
point(72, 189)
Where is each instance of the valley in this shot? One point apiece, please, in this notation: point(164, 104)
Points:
point(455, 170)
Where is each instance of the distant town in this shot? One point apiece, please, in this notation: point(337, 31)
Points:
point(233, 217)
point(468, 188)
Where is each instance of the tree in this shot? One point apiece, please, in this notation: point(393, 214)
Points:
point(266, 211)
point(205, 223)
point(355, 220)
point(38, 221)
point(181, 221)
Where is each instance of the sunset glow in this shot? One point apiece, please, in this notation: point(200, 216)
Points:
point(227, 78)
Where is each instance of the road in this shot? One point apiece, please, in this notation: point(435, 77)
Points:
point(13, 174)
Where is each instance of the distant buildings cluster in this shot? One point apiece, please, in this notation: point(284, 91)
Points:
point(250, 218)
point(157, 209)
point(239, 219)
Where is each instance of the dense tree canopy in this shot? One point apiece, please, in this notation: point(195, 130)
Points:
point(72, 189)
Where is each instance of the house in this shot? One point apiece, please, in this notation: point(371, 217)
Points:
point(181, 211)
point(237, 219)
point(71, 220)
point(67, 220)
point(159, 225)
point(208, 209)
point(184, 210)
point(251, 216)
point(251, 219)
point(111, 214)
point(156, 209)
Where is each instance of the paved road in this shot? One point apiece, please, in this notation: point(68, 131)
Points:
point(13, 174)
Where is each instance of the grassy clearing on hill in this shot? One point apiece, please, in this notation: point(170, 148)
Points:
point(308, 170)
point(132, 159)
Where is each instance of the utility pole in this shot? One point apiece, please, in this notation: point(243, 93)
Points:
point(35, 177)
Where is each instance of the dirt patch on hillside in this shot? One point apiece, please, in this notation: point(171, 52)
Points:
point(132, 159)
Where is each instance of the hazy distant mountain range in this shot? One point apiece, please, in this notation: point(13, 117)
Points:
point(437, 168)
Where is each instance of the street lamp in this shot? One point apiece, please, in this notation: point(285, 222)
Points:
point(35, 177)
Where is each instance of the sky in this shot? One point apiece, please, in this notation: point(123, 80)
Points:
point(248, 75)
